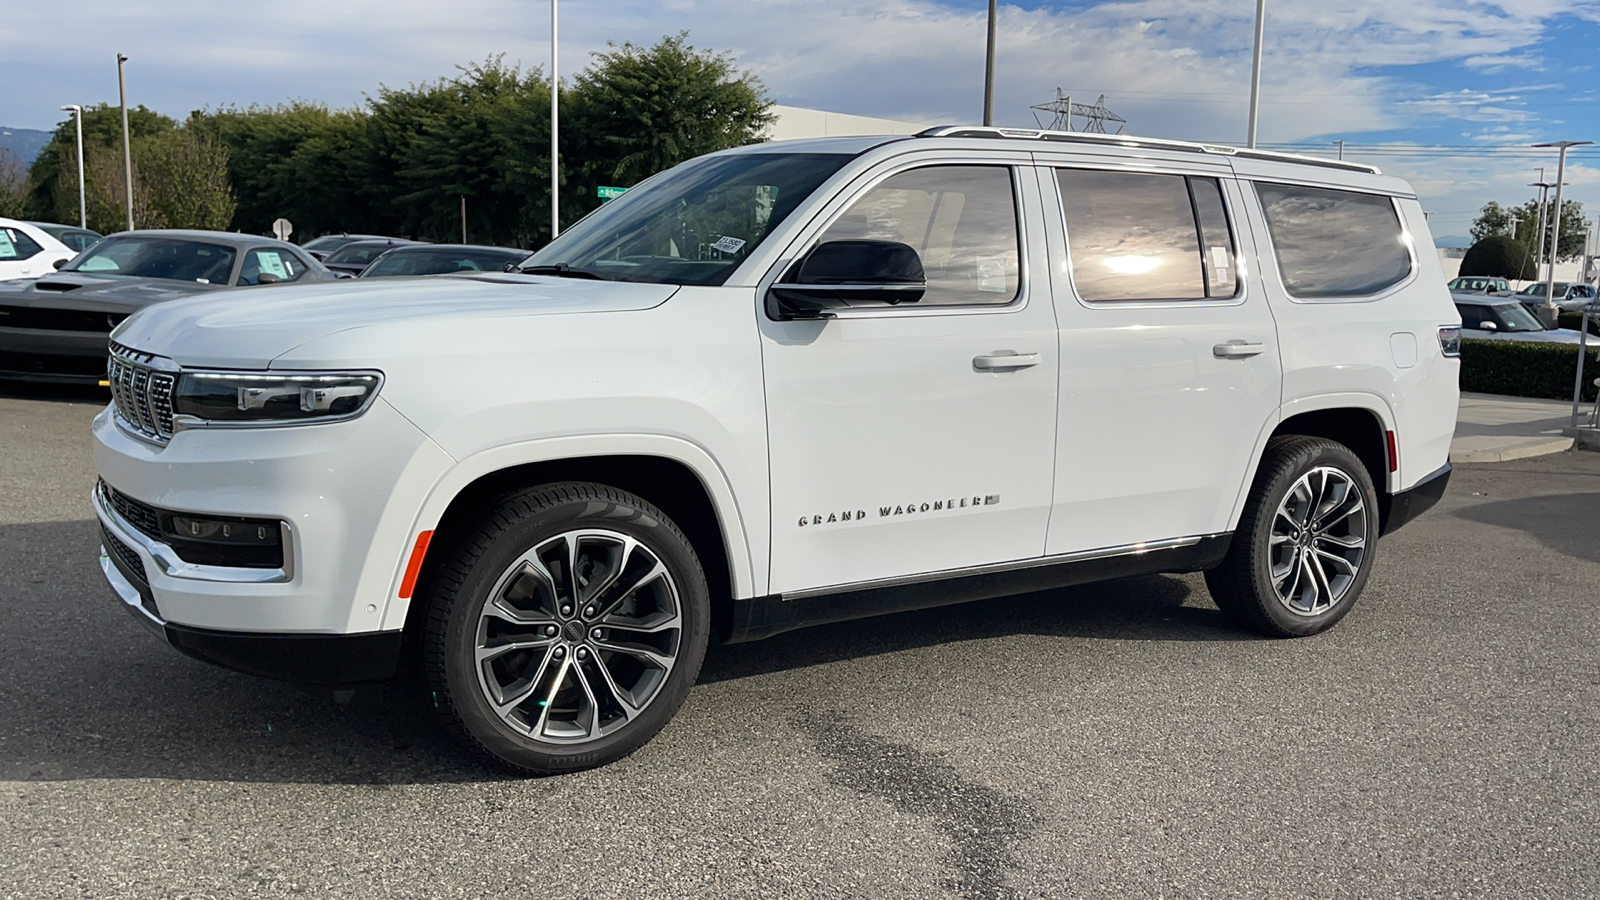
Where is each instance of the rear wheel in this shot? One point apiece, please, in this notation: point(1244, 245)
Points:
point(1305, 542)
point(566, 629)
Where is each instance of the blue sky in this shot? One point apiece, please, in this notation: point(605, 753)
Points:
point(1387, 76)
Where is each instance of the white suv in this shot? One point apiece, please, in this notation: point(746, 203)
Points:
point(782, 385)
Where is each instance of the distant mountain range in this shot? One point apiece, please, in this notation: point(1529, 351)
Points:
point(24, 143)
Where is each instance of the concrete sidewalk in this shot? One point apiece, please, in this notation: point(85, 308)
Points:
point(1492, 428)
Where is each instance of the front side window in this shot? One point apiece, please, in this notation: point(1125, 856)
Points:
point(1332, 243)
point(1137, 236)
point(961, 220)
point(280, 264)
point(16, 246)
point(157, 257)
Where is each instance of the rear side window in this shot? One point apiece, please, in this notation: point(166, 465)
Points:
point(14, 246)
point(1333, 243)
point(1137, 236)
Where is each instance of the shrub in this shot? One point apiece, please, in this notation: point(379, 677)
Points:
point(1517, 369)
point(1499, 256)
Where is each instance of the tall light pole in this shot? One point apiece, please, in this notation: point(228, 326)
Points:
point(127, 147)
point(1555, 213)
point(83, 210)
point(988, 71)
point(1544, 192)
point(1255, 70)
point(555, 130)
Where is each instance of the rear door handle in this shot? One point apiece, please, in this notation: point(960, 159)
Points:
point(1005, 360)
point(1237, 349)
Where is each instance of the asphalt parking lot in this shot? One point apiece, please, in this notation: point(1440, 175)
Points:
point(1120, 740)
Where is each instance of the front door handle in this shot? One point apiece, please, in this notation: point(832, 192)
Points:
point(1237, 349)
point(1005, 360)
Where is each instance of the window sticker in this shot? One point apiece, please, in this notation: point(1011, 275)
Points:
point(991, 274)
point(272, 262)
point(728, 244)
point(1219, 257)
point(7, 248)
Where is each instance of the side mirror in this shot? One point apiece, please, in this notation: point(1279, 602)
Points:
point(267, 278)
point(59, 263)
point(845, 274)
point(1488, 326)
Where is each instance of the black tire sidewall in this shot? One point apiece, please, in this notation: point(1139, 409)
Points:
point(583, 506)
point(1302, 458)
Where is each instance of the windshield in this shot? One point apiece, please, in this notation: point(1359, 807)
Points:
point(329, 242)
point(157, 257)
point(695, 223)
point(358, 254)
point(1517, 318)
point(436, 262)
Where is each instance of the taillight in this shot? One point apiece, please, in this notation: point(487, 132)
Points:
point(1450, 340)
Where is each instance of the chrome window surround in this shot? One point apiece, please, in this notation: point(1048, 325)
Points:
point(173, 566)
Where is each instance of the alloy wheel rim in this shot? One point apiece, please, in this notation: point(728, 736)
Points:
point(1318, 541)
point(578, 636)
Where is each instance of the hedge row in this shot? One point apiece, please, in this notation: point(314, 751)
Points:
point(1526, 370)
point(1575, 321)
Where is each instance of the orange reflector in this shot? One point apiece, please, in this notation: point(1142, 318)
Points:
point(1394, 454)
point(409, 583)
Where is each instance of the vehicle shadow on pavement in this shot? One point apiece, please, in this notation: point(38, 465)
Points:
point(1565, 523)
point(86, 692)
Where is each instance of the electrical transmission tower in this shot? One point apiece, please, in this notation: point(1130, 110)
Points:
point(1062, 109)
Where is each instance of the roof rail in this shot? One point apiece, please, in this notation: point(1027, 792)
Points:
point(1123, 140)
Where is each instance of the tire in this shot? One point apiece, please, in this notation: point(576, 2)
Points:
point(1305, 542)
point(540, 679)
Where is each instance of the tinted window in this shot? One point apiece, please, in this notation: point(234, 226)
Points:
point(439, 261)
point(1334, 243)
point(1135, 236)
point(692, 224)
point(961, 220)
point(281, 264)
point(14, 245)
point(357, 254)
point(154, 257)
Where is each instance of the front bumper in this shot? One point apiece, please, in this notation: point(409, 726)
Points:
point(44, 355)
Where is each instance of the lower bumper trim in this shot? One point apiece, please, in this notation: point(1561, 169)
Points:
point(1403, 506)
point(311, 659)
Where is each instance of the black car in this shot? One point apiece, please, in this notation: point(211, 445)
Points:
point(56, 328)
point(354, 257)
point(78, 239)
point(319, 248)
point(438, 259)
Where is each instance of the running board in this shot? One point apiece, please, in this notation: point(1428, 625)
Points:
point(761, 617)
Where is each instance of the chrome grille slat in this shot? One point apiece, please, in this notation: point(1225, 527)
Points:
point(141, 393)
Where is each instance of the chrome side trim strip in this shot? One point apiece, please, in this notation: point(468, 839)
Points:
point(1010, 566)
point(173, 566)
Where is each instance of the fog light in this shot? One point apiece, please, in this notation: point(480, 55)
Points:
point(224, 540)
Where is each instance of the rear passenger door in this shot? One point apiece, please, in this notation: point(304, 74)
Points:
point(1169, 354)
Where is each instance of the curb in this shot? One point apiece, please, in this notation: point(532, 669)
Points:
point(1520, 451)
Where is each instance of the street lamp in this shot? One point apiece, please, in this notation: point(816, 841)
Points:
point(83, 211)
point(1555, 240)
point(1255, 73)
point(988, 72)
point(555, 131)
point(127, 147)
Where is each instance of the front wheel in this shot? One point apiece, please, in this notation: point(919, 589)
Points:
point(566, 629)
point(1305, 542)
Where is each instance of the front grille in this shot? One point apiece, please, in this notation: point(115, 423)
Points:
point(141, 392)
point(139, 515)
point(46, 319)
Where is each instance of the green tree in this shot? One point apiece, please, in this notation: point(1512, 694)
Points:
point(1498, 256)
point(1495, 219)
point(102, 127)
point(185, 176)
point(13, 185)
point(637, 111)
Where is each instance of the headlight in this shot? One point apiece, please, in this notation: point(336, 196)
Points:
point(283, 398)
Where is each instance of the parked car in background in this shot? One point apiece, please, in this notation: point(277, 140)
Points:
point(438, 259)
point(354, 257)
point(1479, 284)
point(56, 328)
point(322, 246)
point(1484, 318)
point(1571, 296)
point(78, 239)
point(27, 251)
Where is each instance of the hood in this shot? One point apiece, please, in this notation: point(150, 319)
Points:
point(248, 329)
point(99, 293)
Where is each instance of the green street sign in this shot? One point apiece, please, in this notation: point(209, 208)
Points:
point(609, 193)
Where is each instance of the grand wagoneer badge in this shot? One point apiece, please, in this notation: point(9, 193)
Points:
point(908, 509)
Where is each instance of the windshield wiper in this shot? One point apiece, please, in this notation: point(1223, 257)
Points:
point(562, 270)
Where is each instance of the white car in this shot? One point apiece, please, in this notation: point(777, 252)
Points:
point(26, 251)
point(792, 383)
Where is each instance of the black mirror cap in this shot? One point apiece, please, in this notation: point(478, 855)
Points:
point(843, 274)
point(267, 278)
point(59, 263)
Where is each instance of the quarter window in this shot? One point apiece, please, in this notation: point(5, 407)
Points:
point(1332, 243)
point(14, 246)
point(1136, 236)
point(281, 264)
point(961, 220)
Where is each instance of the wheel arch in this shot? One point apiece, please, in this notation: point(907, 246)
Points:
point(676, 476)
point(1359, 421)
